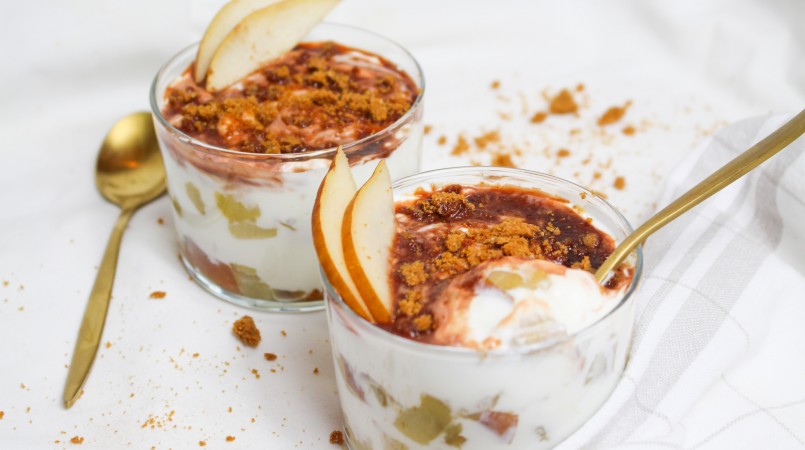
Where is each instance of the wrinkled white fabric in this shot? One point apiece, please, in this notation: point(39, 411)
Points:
point(715, 361)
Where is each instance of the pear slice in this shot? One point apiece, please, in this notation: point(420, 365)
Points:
point(368, 234)
point(221, 25)
point(335, 193)
point(262, 36)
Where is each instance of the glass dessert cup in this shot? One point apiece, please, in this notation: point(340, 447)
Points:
point(243, 220)
point(400, 393)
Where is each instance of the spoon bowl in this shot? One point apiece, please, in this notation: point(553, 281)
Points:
point(129, 170)
point(129, 173)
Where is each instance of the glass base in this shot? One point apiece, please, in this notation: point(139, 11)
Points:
point(252, 303)
point(347, 436)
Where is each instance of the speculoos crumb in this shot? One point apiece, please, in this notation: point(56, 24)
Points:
point(246, 330)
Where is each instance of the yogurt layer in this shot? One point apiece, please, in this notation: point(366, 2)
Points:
point(252, 237)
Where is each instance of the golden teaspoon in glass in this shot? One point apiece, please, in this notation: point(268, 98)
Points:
point(128, 173)
point(720, 179)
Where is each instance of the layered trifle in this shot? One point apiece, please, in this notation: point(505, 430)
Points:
point(493, 332)
point(244, 159)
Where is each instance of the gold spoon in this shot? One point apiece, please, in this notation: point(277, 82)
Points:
point(723, 177)
point(129, 173)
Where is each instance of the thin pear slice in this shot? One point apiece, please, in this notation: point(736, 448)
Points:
point(221, 25)
point(262, 36)
point(335, 193)
point(368, 234)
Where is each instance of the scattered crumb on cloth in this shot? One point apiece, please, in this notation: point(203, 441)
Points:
point(246, 330)
point(337, 437)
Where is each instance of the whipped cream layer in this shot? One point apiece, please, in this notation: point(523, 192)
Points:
point(511, 302)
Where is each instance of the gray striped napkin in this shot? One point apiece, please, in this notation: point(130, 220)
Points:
point(718, 355)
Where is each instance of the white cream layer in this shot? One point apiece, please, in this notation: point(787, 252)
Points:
point(515, 302)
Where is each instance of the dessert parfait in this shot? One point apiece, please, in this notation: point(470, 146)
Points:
point(468, 316)
point(248, 122)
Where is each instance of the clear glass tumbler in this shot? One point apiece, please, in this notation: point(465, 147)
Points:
point(243, 220)
point(399, 393)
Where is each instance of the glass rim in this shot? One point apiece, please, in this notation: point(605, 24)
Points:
point(464, 352)
point(302, 156)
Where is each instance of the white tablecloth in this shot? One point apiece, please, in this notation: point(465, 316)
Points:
point(169, 370)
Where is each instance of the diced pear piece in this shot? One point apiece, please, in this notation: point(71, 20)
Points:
point(221, 25)
point(425, 422)
point(368, 234)
point(262, 36)
point(335, 193)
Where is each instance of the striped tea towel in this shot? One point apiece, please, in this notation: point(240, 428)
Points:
point(718, 354)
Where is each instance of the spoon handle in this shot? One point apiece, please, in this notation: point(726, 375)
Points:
point(89, 336)
point(723, 177)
